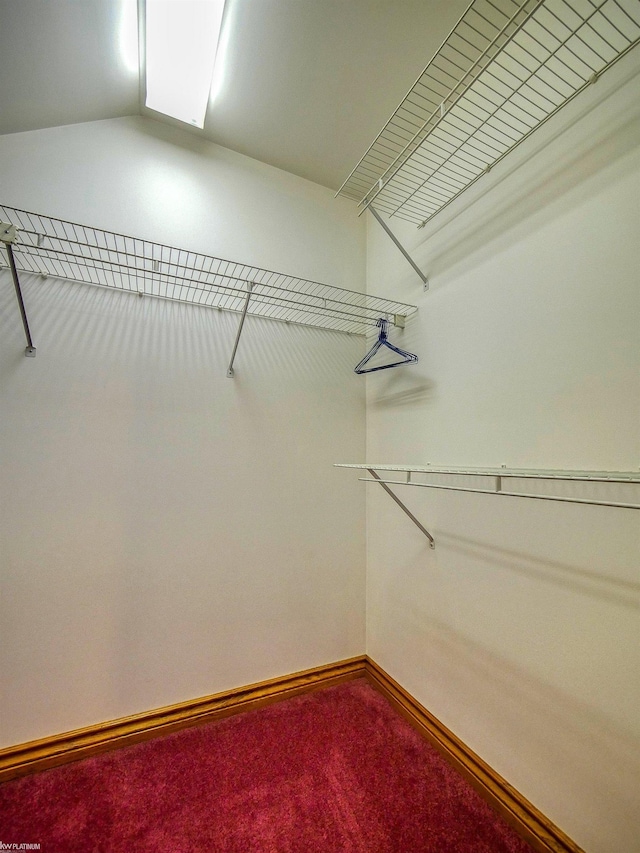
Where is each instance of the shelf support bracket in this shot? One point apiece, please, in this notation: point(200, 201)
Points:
point(7, 236)
point(425, 280)
point(432, 543)
point(230, 372)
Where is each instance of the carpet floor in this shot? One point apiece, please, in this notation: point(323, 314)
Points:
point(336, 771)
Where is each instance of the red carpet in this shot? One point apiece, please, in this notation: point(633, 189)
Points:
point(336, 771)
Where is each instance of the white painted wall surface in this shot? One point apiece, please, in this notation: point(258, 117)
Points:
point(521, 630)
point(140, 177)
point(166, 532)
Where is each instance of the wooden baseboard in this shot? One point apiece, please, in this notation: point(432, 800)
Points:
point(531, 824)
point(71, 746)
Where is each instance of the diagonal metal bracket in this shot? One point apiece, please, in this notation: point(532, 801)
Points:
point(230, 372)
point(406, 254)
point(7, 236)
point(432, 543)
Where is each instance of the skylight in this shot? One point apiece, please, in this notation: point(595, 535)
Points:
point(181, 43)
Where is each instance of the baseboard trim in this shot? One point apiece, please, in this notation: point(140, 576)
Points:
point(83, 743)
point(531, 824)
point(542, 835)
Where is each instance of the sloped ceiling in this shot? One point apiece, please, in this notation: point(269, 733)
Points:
point(304, 85)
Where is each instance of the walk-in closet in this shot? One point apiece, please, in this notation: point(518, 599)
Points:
point(323, 389)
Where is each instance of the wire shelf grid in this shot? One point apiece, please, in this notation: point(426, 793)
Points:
point(80, 253)
point(504, 70)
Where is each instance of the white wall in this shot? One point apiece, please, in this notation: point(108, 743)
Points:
point(520, 631)
point(166, 532)
point(140, 177)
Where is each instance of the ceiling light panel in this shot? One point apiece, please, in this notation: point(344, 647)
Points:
point(181, 42)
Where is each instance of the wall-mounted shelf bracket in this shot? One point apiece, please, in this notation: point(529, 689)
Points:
point(425, 280)
point(7, 236)
point(230, 372)
point(432, 543)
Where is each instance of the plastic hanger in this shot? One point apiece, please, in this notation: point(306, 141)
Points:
point(407, 357)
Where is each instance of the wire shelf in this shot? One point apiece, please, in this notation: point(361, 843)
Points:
point(596, 488)
point(79, 253)
point(518, 473)
point(505, 68)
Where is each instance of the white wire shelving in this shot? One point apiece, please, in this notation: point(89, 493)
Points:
point(80, 253)
point(505, 69)
point(619, 489)
point(44, 246)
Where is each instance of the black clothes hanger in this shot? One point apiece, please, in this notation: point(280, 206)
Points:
point(407, 357)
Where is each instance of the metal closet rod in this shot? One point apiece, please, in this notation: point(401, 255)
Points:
point(498, 490)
